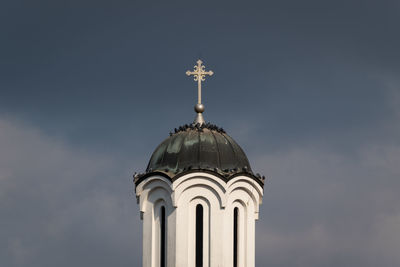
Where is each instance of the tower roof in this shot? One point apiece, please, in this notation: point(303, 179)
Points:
point(199, 147)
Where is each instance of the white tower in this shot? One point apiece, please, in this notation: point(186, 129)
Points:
point(199, 198)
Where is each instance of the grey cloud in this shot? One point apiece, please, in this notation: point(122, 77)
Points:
point(330, 207)
point(63, 206)
point(322, 208)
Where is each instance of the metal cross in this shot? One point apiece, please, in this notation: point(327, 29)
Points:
point(199, 76)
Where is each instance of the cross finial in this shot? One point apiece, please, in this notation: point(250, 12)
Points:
point(199, 76)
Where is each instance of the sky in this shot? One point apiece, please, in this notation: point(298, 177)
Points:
point(309, 89)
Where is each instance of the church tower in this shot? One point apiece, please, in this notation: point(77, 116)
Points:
point(199, 198)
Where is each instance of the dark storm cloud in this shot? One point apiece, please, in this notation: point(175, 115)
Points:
point(310, 90)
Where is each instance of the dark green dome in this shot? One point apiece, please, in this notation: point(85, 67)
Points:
point(204, 147)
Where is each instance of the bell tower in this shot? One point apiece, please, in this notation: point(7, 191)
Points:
point(199, 198)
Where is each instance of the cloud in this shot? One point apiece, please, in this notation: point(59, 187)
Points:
point(333, 207)
point(327, 209)
point(61, 205)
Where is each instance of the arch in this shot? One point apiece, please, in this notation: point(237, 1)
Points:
point(251, 189)
point(183, 178)
point(195, 180)
point(256, 189)
point(148, 187)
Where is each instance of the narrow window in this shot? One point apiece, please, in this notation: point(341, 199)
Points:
point(199, 235)
point(235, 236)
point(162, 238)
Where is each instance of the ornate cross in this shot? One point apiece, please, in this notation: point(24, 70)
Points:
point(199, 75)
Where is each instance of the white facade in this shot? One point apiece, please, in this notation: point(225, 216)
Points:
point(218, 200)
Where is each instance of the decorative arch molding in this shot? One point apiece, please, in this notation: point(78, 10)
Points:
point(245, 196)
point(194, 182)
point(149, 187)
point(188, 176)
point(256, 189)
point(220, 189)
point(223, 177)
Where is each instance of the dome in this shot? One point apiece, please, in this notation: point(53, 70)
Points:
point(204, 147)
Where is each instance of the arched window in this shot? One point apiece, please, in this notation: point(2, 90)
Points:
point(199, 235)
point(235, 236)
point(162, 238)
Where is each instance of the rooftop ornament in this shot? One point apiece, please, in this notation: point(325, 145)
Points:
point(199, 75)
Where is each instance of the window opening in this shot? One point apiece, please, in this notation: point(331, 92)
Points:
point(199, 235)
point(162, 238)
point(235, 236)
